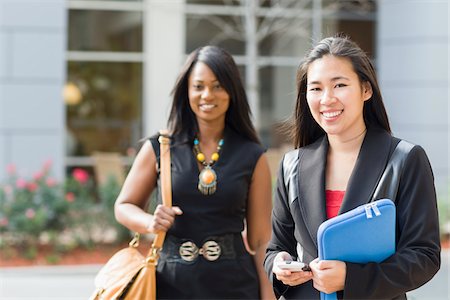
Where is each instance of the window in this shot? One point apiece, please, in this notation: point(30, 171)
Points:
point(103, 92)
point(282, 32)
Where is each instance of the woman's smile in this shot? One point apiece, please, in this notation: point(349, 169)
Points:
point(206, 107)
point(331, 115)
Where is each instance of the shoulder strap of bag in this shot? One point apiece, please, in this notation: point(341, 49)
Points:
point(389, 182)
point(166, 184)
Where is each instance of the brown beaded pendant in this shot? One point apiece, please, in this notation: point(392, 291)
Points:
point(207, 179)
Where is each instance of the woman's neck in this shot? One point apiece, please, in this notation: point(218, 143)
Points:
point(351, 144)
point(210, 132)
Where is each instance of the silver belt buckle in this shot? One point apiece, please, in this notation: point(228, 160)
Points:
point(210, 250)
point(188, 251)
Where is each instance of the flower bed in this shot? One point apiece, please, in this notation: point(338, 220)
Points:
point(41, 217)
point(45, 256)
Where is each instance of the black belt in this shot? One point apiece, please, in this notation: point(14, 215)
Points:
point(227, 246)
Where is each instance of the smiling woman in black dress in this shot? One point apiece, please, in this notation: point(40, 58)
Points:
point(220, 182)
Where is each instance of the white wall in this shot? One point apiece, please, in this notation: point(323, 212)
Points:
point(32, 73)
point(412, 63)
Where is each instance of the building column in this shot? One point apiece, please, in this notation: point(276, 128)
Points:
point(32, 74)
point(164, 47)
point(412, 62)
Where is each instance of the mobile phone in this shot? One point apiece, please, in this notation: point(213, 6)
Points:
point(294, 266)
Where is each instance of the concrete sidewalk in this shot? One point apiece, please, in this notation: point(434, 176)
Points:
point(42, 283)
point(77, 283)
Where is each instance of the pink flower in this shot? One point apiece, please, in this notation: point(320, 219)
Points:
point(131, 152)
point(32, 186)
point(8, 189)
point(30, 213)
point(11, 169)
point(4, 222)
point(70, 197)
point(80, 175)
point(21, 183)
point(38, 175)
point(47, 165)
point(51, 182)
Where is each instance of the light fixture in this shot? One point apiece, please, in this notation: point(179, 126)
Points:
point(72, 94)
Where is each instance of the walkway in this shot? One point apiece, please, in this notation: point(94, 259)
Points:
point(76, 283)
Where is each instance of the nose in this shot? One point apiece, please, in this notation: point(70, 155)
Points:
point(327, 97)
point(206, 94)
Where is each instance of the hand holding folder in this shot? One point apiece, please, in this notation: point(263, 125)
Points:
point(364, 234)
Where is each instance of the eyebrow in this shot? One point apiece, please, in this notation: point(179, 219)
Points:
point(199, 80)
point(332, 79)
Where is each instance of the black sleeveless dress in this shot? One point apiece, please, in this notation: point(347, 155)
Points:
point(218, 217)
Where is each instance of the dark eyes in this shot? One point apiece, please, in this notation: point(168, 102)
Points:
point(200, 87)
point(317, 89)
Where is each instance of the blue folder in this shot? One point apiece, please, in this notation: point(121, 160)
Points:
point(362, 235)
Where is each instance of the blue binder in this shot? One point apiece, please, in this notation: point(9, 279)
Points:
point(364, 234)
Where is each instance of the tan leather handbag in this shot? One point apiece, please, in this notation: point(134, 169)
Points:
point(128, 274)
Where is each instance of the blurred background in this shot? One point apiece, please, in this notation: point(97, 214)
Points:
point(82, 81)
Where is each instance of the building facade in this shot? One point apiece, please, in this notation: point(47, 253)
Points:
point(117, 61)
point(413, 67)
point(32, 73)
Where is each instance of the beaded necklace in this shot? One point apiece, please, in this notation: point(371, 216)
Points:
point(207, 179)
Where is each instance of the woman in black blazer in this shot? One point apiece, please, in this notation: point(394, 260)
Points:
point(344, 158)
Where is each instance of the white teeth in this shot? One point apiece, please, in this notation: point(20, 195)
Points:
point(331, 114)
point(206, 107)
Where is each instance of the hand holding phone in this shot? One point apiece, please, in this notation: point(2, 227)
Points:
point(293, 266)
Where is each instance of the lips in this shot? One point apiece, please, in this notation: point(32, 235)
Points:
point(331, 114)
point(206, 107)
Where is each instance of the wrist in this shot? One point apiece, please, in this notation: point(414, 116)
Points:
point(148, 221)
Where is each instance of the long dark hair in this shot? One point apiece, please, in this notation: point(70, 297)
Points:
point(302, 127)
point(182, 119)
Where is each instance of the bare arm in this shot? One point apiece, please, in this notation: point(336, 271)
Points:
point(258, 221)
point(136, 190)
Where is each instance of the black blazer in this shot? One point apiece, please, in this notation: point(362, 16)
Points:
point(299, 209)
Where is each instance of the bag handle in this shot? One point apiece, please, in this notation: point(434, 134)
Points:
point(166, 183)
point(166, 188)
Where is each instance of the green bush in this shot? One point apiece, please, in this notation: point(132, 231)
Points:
point(444, 213)
point(108, 193)
point(29, 207)
point(42, 211)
